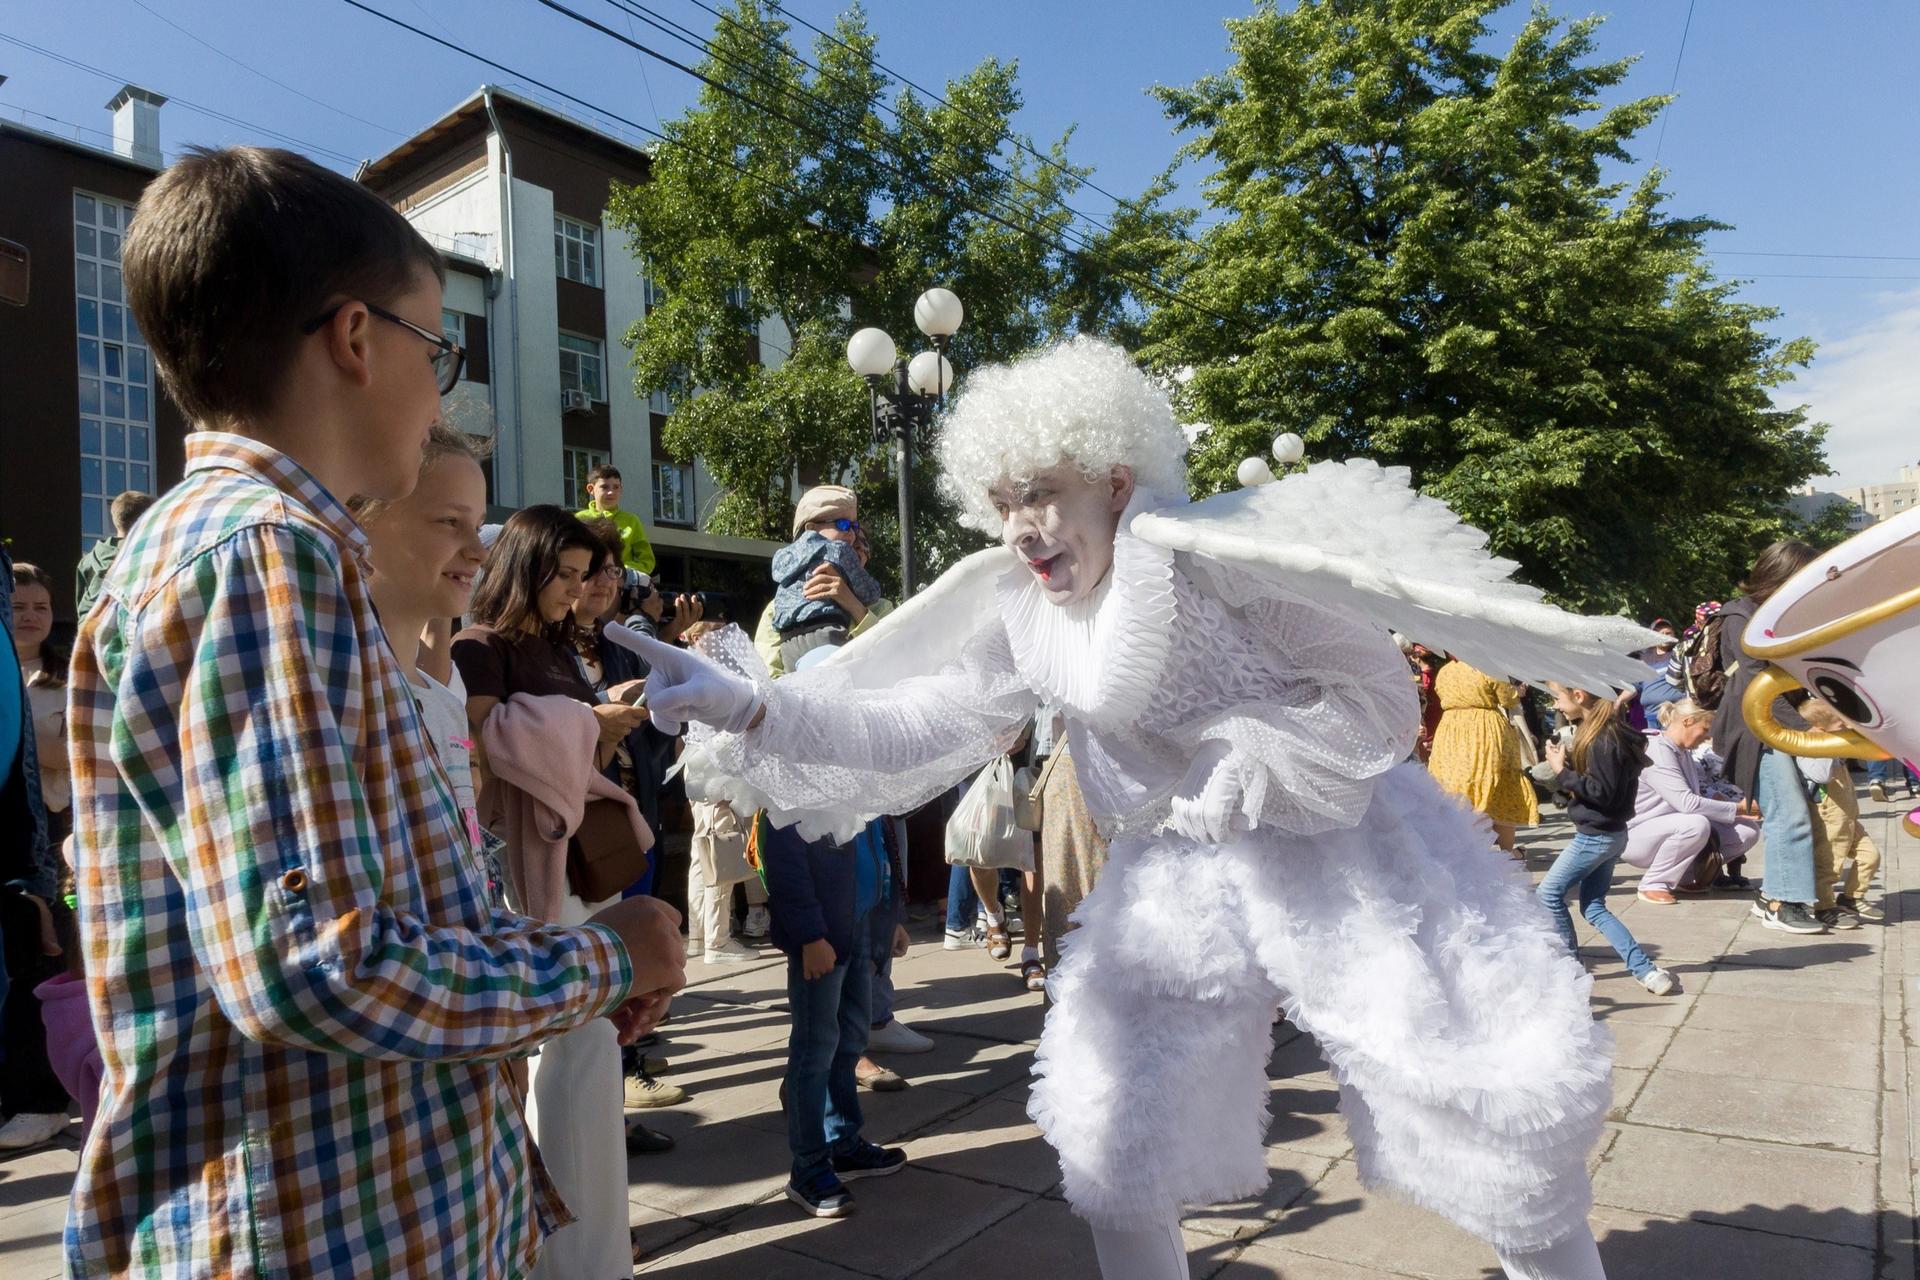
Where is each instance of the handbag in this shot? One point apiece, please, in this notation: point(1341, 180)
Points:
point(982, 831)
point(1030, 792)
point(720, 843)
point(1705, 867)
point(603, 854)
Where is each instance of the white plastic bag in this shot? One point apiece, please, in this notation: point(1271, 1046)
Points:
point(982, 831)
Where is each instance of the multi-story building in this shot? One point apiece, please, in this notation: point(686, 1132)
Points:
point(1883, 500)
point(1809, 504)
point(541, 291)
point(82, 416)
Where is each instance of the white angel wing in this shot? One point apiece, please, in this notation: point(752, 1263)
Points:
point(1359, 537)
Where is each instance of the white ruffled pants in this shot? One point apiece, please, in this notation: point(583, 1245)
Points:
point(1473, 1078)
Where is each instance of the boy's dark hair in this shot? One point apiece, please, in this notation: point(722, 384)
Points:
point(524, 559)
point(127, 508)
point(233, 251)
point(605, 471)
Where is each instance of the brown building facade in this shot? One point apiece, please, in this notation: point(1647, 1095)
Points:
point(82, 415)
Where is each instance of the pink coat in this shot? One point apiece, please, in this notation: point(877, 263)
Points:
point(540, 754)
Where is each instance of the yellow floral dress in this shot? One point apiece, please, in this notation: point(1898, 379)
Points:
point(1476, 750)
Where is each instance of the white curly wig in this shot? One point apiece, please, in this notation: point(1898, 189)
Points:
point(1082, 401)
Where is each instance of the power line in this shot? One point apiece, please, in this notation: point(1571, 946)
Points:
point(1667, 109)
point(1768, 275)
point(899, 79)
point(182, 102)
point(775, 44)
point(1850, 257)
point(78, 128)
point(1083, 252)
point(245, 66)
point(844, 118)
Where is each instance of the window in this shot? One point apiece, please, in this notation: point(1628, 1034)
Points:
point(739, 297)
point(575, 466)
point(582, 366)
point(116, 370)
point(672, 493)
point(576, 251)
point(672, 481)
point(651, 294)
point(453, 326)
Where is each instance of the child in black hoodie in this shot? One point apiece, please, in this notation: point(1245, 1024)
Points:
point(1601, 772)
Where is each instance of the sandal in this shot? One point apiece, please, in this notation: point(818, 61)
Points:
point(999, 941)
point(1034, 974)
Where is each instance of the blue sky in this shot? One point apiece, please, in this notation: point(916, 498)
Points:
point(1796, 122)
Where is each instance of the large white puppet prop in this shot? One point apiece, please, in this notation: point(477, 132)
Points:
point(1240, 720)
point(1847, 629)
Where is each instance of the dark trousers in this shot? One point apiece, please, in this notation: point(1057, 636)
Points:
point(27, 1082)
point(831, 1015)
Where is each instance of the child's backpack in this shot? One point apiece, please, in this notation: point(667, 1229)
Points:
point(1704, 679)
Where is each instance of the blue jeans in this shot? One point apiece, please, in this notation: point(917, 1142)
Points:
point(1786, 825)
point(963, 904)
point(831, 1015)
point(1587, 864)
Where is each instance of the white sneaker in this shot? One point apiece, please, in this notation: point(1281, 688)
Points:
point(732, 951)
point(32, 1129)
point(1660, 982)
point(897, 1037)
point(756, 924)
point(965, 939)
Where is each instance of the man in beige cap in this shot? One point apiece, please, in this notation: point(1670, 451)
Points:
point(832, 512)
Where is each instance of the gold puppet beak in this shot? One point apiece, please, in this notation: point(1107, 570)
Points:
point(1757, 707)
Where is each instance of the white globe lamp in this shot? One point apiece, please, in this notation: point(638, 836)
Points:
point(930, 374)
point(870, 353)
point(938, 313)
point(1288, 448)
point(1253, 471)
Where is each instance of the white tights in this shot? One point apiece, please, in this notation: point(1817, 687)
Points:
point(1160, 1254)
point(1574, 1258)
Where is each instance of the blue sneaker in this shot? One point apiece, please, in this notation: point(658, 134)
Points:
point(821, 1194)
point(869, 1161)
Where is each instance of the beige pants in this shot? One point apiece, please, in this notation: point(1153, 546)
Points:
point(1840, 840)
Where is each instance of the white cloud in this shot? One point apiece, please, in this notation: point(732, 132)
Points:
point(1866, 385)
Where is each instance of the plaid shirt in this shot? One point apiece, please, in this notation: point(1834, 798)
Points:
point(303, 999)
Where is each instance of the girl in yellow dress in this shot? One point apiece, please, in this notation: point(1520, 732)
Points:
point(1476, 750)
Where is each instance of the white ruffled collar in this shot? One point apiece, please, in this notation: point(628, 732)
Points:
point(1102, 657)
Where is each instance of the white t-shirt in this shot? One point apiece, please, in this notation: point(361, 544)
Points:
point(443, 709)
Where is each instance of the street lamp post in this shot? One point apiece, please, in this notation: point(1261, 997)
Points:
point(904, 394)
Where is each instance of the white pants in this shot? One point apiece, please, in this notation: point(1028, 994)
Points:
point(710, 906)
point(1665, 846)
point(575, 1110)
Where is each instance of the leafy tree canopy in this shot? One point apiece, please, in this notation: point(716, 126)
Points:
point(1416, 259)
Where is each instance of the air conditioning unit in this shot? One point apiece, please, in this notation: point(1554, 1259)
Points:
point(572, 401)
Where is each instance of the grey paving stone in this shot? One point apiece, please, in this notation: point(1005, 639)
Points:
point(1636, 1246)
point(1339, 1221)
point(1769, 1110)
point(1638, 1045)
point(990, 1141)
point(1793, 1191)
point(1783, 1052)
point(1827, 1019)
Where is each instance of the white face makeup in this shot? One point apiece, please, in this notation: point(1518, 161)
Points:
point(1061, 524)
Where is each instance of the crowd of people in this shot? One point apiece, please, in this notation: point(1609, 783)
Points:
point(336, 898)
point(1667, 777)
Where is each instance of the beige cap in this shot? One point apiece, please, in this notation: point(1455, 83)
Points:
point(825, 502)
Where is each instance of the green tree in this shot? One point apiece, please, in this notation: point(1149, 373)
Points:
point(831, 213)
point(1417, 259)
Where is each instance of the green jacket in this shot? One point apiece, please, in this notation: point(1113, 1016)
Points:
point(91, 574)
point(636, 550)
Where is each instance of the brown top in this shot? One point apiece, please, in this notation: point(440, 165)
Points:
point(495, 664)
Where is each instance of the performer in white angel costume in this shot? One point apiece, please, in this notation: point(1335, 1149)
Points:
point(1241, 721)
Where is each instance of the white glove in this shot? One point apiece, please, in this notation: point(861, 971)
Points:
point(1206, 804)
point(684, 686)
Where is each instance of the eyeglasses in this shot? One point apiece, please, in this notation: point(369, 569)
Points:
point(613, 569)
point(447, 361)
point(843, 525)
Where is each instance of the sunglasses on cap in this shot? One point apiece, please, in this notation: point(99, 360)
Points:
point(842, 524)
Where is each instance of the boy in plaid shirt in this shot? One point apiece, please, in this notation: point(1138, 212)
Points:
point(307, 1008)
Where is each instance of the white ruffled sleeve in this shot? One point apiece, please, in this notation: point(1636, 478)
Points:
point(831, 753)
point(1314, 715)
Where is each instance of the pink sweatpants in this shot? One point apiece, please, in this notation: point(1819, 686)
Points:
point(1666, 845)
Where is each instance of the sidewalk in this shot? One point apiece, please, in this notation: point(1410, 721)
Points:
point(1762, 1127)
